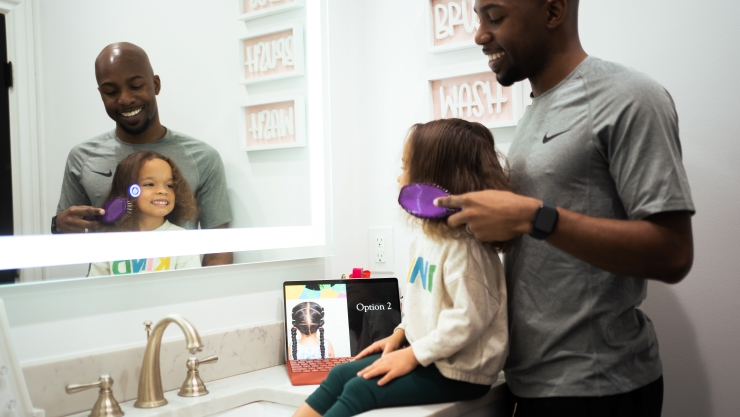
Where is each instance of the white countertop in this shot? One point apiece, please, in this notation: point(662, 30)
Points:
point(272, 384)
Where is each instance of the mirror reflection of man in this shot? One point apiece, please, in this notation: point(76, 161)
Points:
point(600, 142)
point(128, 88)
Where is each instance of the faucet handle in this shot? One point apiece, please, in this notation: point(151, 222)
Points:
point(206, 361)
point(147, 328)
point(106, 405)
point(193, 385)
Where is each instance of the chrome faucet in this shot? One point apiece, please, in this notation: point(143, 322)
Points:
point(150, 381)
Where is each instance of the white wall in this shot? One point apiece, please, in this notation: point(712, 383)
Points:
point(689, 47)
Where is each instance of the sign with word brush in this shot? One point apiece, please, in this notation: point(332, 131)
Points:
point(451, 24)
point(273, 54)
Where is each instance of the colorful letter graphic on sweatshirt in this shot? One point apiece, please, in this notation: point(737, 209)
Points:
point(423, 271)
point(140, 266)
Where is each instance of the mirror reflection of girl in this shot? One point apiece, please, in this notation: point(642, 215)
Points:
point(165, 203)
point(308, 320)
point(453, 338)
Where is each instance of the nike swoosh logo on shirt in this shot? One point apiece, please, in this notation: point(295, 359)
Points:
point(547, 139)
point(108, 174)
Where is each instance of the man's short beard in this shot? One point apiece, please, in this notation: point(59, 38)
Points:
point(136, 131)
point(508, 78)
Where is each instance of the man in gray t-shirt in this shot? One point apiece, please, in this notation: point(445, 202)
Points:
point(602, 192)
point(128, 88)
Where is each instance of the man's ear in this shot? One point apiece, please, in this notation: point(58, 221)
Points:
point(557, 12)
point(157, 85)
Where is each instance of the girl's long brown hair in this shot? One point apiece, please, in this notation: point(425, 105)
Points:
point(459, 156)
point(127, 173)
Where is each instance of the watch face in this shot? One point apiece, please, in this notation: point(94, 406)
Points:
point(546, 218)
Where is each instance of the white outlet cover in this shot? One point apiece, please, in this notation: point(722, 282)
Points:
point(380, 239)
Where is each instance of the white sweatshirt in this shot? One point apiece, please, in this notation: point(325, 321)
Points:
point(454, 310)
point(146, 265)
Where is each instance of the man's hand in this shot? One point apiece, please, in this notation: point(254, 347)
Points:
point(392, 365)
point(71, 220)
point(492, 215)
point(386, 345)
point(658, 247)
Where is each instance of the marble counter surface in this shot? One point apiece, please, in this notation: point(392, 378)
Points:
point(272, 384)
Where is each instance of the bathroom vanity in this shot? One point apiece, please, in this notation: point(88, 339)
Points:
point(268, 391)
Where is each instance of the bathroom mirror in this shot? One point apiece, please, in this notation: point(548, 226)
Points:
point(279, 197)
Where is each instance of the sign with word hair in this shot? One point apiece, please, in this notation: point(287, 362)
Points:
point(254, 9)
point(272, 54)
point(451, 24)
point(273, 124)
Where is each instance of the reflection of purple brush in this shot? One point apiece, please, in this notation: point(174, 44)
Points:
point(418, 200)
point(116, 209)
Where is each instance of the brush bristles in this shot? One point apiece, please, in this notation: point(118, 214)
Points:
point(126, 215)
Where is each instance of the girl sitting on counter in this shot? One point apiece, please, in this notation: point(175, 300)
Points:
point(453, 339)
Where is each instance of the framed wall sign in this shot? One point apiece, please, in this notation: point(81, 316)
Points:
point(472, 93)
point(273, 124)
point(253, 9)
point(451, 24)
point(272, 54)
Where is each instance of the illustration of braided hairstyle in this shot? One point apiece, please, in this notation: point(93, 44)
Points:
point(308, 318)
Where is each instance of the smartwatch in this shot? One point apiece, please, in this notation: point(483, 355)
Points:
point(54, 226)
point(544, 221)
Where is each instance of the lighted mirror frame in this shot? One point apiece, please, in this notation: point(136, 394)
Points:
point(39, 250)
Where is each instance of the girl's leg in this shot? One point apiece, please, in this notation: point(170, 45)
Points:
point(421, 386)
point(327, 393)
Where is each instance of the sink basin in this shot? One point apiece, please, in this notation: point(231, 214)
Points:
point(259, 409)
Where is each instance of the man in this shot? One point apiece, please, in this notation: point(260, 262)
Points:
point(602, 192)
point(128, 88)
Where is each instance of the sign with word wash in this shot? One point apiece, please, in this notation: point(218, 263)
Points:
point(453, 24)
point(274, 125)
point(475, 98)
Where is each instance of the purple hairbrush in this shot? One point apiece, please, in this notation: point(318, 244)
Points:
point(418, 200)
point(116, 209)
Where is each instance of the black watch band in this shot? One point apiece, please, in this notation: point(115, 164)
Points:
point(54, 225)
point(544, 221)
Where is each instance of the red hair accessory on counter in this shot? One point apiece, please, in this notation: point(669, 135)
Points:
point(360, 273)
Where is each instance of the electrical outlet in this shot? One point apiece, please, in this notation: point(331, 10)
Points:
point(380, 256)
point(380, 250)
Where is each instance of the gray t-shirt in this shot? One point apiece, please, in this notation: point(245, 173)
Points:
point(604, 143)
point(92, 164)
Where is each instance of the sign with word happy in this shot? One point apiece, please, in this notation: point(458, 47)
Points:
point(453, 24)
point(274, 125)
point(272, 56)
point(475, 98)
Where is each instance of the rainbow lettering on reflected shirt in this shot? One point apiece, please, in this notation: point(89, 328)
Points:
point(420, 268)
point(140, 266)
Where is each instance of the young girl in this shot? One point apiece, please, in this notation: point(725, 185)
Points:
point(163, 202)
point(453, 339)
point(308, 318)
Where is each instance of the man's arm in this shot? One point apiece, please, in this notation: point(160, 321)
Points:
point(213, 259)
point(660, 247)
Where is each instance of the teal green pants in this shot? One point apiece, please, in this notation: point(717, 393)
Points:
point(344, 394)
